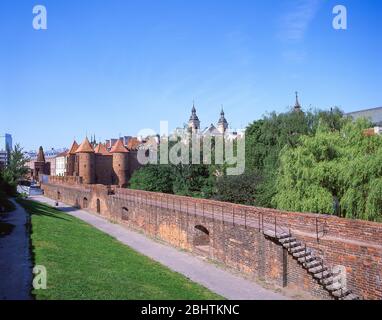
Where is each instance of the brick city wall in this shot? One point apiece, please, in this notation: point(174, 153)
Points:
point(232, 234)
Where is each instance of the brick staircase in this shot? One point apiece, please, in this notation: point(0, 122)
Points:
point(315, 266)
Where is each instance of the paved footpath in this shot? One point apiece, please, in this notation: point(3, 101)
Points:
point(15, 256)
point(210, 276)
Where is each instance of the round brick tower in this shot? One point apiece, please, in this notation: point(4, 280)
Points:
point(71, 160)
point(120, 164)
point(86, 162)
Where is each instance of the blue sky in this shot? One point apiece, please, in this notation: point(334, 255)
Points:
point(117, 66)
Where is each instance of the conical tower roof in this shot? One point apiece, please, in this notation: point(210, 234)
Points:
point(194, 116)
point(118, 147)
point(73, 148)
point(222, 119)
point(40, 156)
point(101, 149)
point(85, 147)
point(133, 144)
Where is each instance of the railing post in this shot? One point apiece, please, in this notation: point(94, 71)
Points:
point(222, 215)
point(258, 214)
point(233, 215)
point(195, 210)
point(317, 230)
point(322, 267)
point(275, 226)
point(262, 222)
point(305, 256)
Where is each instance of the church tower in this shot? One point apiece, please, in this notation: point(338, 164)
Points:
point(120, 163)
point(86, 162)
point(222, 123)
point(297, 106)
point(193, 123)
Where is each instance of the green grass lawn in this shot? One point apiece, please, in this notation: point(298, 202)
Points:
point(84, 263)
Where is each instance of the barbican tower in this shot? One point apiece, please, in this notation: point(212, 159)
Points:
point(120, 163)
point(86, 162)
point(71, 160)
point(40, 165)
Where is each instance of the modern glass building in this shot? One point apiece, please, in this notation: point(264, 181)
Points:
point(5, 148)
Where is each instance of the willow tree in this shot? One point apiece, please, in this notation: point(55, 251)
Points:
point(333, 172)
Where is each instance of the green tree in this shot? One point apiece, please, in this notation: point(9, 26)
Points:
point(156, 178)
point(266, 138)
point(239, 189)
point(333, 172)
point(15, 170)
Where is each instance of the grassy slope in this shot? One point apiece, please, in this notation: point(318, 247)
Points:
point(84, 263)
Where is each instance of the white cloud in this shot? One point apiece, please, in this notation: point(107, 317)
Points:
point(296, 22)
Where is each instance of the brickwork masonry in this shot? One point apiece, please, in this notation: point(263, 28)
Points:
point(241, 237)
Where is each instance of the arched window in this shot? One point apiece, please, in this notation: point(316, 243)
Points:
point(58, 195)
point(125, 214)
point(201, 239)
point(85, 203)
point(202, 229)
point(98, 206)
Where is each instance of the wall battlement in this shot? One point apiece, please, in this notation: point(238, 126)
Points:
point(242, 237)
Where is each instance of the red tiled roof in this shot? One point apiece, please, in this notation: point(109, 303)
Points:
point(118, 147)
point(85, 147)
point(74, 148)
point(101, 149)
point(133, 144)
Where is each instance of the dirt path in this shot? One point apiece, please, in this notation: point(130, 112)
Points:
point(15, 257)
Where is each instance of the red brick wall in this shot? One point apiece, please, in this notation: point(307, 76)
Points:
point(237, 242)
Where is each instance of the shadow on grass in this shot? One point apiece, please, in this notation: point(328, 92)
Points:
point(38, 209)
point(5, 229)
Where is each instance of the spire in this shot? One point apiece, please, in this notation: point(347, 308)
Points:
point(193, 110)
point(194, 116)
point(40, 156)
point(193, 123)
point(222, 123)
point(297, 106)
